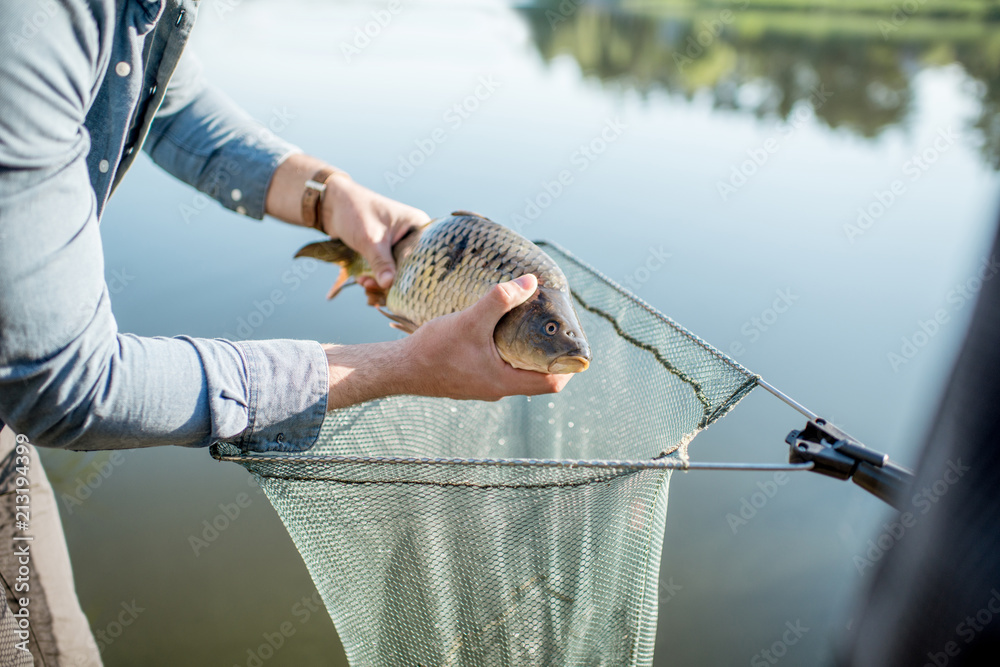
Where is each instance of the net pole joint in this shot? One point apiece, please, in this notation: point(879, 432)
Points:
point(836, 454)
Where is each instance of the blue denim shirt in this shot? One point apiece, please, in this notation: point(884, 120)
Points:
point(83, 84)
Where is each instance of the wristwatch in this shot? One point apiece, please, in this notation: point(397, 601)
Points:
point(312, 197)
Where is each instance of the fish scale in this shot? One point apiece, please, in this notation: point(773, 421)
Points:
point(457, 261)
point(449, 264)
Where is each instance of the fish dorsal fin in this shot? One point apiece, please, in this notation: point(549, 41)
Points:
point(463, 212)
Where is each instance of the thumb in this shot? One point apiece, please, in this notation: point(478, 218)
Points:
point(379, 258)
point(504, 298)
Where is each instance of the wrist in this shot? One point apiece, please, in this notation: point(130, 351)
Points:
point(287, 186)
point(360, 373)
point(315, 193)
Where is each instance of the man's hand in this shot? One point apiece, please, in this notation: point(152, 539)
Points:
point(368, 223)
point(452, 356)
point(455, 355)
point(364, 220)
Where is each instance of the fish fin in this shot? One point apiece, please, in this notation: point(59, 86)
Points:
point(334, 251)
point(341, 283)
point(398, 321)
point(376, 297)
point(470, 214)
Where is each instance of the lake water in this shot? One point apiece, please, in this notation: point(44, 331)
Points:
point(824, 186)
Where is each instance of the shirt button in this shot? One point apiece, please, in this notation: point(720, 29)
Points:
point(242, 210)
point(236, 194)
point(103, 166)
point(123, 68)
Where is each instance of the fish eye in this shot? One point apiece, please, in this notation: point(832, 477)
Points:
point(551, 328)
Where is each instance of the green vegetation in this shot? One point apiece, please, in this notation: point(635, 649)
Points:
point(861, 55)
point(977, 9)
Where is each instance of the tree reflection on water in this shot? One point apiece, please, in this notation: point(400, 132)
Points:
point(859, 58)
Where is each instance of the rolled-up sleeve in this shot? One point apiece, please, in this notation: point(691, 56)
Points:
point(203, 138)
point(68, 378)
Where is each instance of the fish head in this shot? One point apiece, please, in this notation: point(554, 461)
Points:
point(543, 334)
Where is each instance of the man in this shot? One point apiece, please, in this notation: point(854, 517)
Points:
point(84, 84)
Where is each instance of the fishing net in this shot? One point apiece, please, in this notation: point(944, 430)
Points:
point(521, 532)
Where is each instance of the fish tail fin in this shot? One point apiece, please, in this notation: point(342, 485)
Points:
point(341, 283)
point(336, 251)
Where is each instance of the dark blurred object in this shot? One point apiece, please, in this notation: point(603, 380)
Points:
point(934, 597)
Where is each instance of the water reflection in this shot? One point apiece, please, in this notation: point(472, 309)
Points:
point(856, 65)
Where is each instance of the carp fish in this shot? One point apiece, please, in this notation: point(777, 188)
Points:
point(447, 265)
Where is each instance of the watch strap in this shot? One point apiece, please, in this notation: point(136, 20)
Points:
point(312, 198)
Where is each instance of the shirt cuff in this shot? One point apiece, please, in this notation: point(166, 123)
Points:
point(288, 382)
point(244, 171)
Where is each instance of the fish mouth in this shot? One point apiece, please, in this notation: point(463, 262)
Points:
point(569, 364)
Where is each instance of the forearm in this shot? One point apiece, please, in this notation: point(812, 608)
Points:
point(207, 141)
point(361, 373)
point(104, 390)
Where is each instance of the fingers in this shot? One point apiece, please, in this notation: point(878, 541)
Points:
point(530, 383)
point(369, 223)
point(410, 217)
point(379, 257)
point(503, 298)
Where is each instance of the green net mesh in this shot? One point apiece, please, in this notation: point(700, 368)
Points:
point(522, 532)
